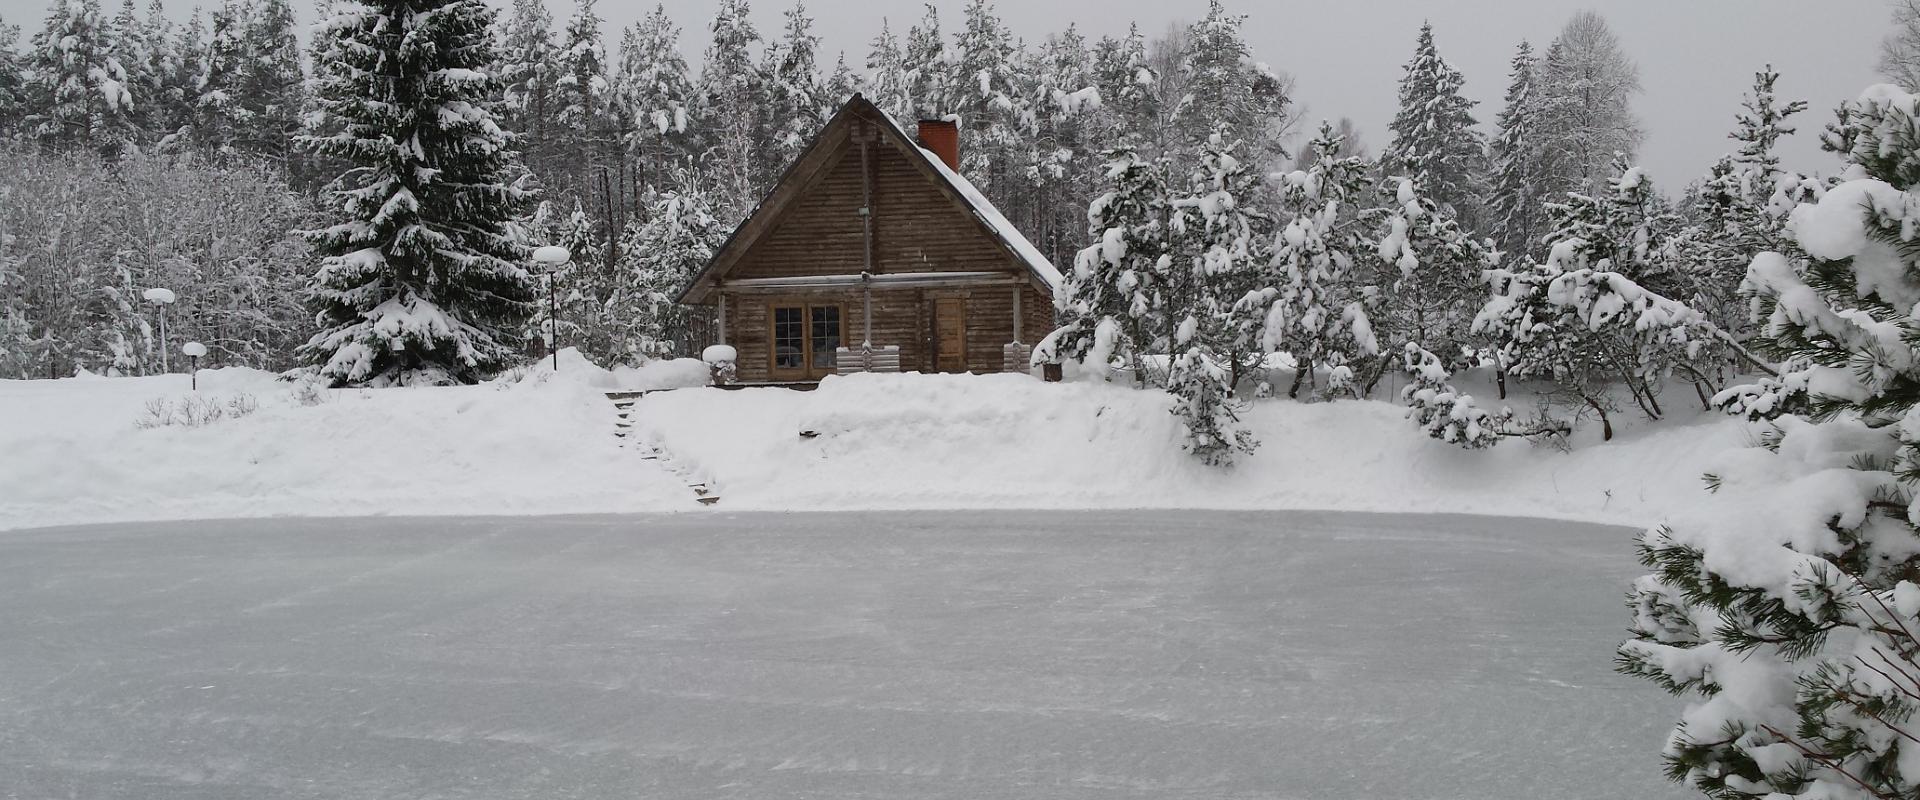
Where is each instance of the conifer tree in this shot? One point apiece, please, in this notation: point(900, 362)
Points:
point(1786, 614)
point(126, 42)
point(732, 89)
point(78, 91)
point(982, 91)
point(1227, 89)
point(929, 69)
point(582, 97)
point(663, 254)
point(1220, 252)
point(1434, 141)
point(1115, 304)
point(1313, 301)
point(1515, 199)
point(1737, 214)
point(657, 97)
point(841, 84)
point(1433, 284)
point(220, 119)
point(423, 278)
point(527, 70)
point(1125, 78)
point(889, 85)
point(793, 84)
point(1444, 412)
point(12, 78)
point(271, 85)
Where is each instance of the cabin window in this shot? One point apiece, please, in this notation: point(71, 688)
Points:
point(804, 339)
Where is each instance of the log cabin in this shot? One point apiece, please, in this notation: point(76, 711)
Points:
point(873, 254)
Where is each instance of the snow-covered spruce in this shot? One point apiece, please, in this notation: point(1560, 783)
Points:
point(1434, 141)
point(1314, 298)
point(1444, 412)
point(1115, 303)
point(1789, 613)
point(423, 280)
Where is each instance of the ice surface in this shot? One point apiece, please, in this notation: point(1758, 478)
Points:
point(1066, 655)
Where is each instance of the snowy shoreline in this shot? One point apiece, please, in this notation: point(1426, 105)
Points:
point(545, 446)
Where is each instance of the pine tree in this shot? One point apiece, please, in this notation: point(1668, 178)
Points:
point(581, 98)
point(126, 42)
point(890, 86)
point(1631, 229)
point(1433, 284)
point(1514, 202)
point(1444, 412)
point(422, 279)
point(930, 74)
point(798, 104)
point(12, 79)
point(1434, 141)
point(732, 89)
point(1220, 252)
point(180, 76)
point(220, 118)
point(841, 84)
point(271, 84)
point(1125, 78)
point(1786, 613)
point(78, 91)
point(656, 95)
point(528, 67)
point(983, 93)
point(1226, 89)
point(1313, 301)
point(1581, 321)
point(1115, 303)
point(1735, 208)
point(664, 253)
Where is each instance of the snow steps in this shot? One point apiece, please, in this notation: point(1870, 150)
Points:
point(623, 403)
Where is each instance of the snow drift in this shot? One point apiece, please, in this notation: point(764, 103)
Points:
point(1007, 441)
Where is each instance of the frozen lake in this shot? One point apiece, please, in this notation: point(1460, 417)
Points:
point(970, 656)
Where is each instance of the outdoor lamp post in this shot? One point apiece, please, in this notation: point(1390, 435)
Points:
point(162, 298)
point(553, 258)
point(194, 350)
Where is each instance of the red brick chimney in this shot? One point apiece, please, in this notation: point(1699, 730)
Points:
point(942, 137)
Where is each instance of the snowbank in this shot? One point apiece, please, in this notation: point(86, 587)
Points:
point(541, 442)
point(998, 441)
point(74, 452)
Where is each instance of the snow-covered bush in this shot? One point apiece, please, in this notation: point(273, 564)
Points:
point(1790, 616)
point(194, 411)
point(1444, 412)
point(1589, 329)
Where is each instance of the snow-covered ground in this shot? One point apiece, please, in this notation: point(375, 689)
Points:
point(542, 443)
point(1107, 655)
point(74, 450)
point(1008, 441)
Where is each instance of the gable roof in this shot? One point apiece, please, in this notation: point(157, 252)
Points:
point(819, 157)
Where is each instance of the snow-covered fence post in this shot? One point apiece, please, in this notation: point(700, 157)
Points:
point(551, 259)
point(161, 298)
point(193, 351)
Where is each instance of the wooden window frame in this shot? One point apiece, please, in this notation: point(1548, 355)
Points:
point(806, 370)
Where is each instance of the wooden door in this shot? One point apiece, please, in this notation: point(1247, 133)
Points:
point(950, 334)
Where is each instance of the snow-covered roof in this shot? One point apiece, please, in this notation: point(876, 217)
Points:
point(787, 189)
point(996, 221)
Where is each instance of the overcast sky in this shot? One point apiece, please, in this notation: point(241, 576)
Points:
point(1696, 56)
